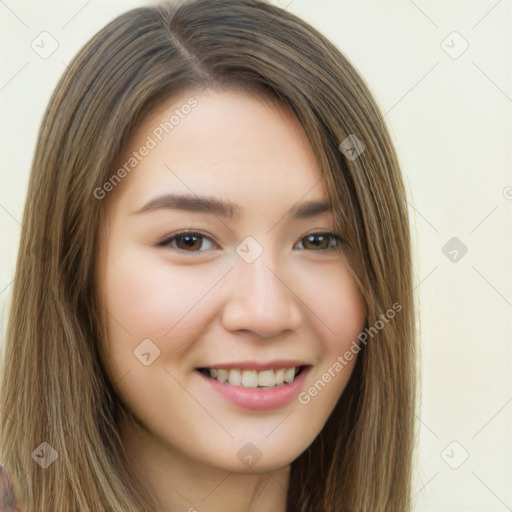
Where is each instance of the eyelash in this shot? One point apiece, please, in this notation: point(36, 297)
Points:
point(166, 242)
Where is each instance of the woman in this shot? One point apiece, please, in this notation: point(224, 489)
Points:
point(212, 308)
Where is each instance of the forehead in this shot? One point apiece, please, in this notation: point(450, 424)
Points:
point(222, 143)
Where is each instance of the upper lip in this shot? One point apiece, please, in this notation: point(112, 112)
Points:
point(258, 365)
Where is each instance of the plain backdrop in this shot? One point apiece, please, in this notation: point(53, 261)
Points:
point(441, 73)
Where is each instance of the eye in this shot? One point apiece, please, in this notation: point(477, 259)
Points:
point(321, 241)
point(192, 241)
point(187, 241)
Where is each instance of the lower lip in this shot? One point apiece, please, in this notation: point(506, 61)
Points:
point(260, 399)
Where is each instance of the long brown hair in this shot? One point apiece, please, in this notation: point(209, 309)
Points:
point(53, 387)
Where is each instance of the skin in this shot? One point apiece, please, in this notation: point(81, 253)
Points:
point(209, 305)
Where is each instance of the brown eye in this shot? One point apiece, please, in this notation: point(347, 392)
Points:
point(321, 241)
point(186, 242)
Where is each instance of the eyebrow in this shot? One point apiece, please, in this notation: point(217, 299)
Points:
point(225, 209)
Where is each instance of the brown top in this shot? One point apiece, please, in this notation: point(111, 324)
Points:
point(7, 496)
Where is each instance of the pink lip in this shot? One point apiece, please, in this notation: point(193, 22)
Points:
point(260, 399)
point(258, 365)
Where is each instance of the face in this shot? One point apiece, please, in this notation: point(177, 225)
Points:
point(196, 291)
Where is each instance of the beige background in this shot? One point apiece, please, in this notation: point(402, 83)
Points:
point(451, 118)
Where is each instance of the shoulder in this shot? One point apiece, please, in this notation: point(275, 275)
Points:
point(7, 497)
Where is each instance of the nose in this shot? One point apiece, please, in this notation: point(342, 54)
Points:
point(261, 300)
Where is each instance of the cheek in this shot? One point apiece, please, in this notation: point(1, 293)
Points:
point(147, 299)
point(156, 301)
point(342, 315)
point(338, 305)
point(153, 297)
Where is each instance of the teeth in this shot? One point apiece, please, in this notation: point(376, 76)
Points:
point(267, 378)
point(249, 378)
point(235, 377)
point(289, 374)
point(222, 375)
point(253, 378)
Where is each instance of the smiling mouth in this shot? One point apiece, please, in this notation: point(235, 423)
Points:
point(253, 378)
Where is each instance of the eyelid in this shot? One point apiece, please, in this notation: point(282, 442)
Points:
point(168, 239)
point(332, 234)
